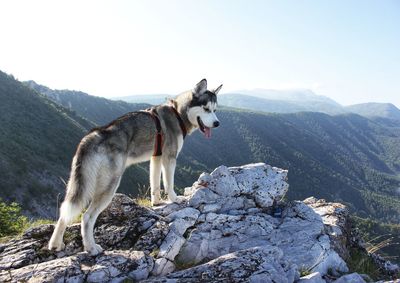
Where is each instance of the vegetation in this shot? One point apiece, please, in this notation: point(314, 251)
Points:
point(143, 196)
point(380, 238)
point(361, 263)
point(12, 222)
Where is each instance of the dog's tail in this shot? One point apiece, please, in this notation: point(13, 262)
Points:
point(80, 185)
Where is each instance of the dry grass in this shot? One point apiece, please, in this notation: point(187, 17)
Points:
point(143, 202)
point(143, 197)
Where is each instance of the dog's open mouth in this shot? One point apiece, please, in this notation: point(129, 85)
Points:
point(205, 130)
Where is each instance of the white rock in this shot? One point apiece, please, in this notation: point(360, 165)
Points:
point(203, 196)
point(187, 213)
point(261, 264)
point(350, 278)
point(171, 246)
point(223, 183)
point(179, 226)
point(162, 266)
point(214, 207)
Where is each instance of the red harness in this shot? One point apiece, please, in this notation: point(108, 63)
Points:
point(159, 135)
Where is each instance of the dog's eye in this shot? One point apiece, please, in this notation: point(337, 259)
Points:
point(206, 109)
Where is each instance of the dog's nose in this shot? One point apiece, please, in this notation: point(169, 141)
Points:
point(216, 124)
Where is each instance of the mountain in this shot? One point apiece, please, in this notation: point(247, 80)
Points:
point(96, 109)
point(374, 109)
point(281, 101)
point(38, 138)
point(265, 100)
point(153, 99)
point(237, 100)
point(345, 158)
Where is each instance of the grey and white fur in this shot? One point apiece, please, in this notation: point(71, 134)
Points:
point(104, 153)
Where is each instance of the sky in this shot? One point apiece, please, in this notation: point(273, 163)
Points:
point(347, 50)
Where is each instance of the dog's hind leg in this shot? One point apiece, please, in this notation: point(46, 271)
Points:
point(108, 179)
point(155, 178)
point(168, 169)
point(56, 242)
point(99, 202)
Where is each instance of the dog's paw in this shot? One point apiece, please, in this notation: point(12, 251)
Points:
point(94, 250)
point(156, 200)
point(180, 199)
point(160, 202)
point(56, 246)
point(172, 197)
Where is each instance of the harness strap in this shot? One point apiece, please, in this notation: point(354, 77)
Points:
point(181, 123)
point(159, 135)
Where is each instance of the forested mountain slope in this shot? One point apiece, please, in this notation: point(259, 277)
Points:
point(345, 158)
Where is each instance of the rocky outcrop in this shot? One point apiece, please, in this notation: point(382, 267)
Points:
point(239, 208)
point(260, 264)
point(127, 231)
point(231, 226)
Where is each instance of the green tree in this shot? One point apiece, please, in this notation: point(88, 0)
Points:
point(11, 220)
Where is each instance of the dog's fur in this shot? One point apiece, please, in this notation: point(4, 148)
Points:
point(104, 153)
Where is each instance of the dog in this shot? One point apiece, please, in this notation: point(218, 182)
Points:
point(102, 156)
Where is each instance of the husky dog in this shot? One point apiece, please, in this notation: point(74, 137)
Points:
point(104, 153)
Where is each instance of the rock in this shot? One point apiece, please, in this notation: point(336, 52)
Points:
point(261, 264)
point(163, 266)
point(267, 183)
point(201, 196)
point(335, 218)
point(82, 267)
point(300, 234)
point(223, 183)
point(350, 278)
point(232, 220)
point(312, 278)
point(122, 225)
point(237, 188)
point(389, 268)
point(171, 246)
point(221, 234)
point(302, 238)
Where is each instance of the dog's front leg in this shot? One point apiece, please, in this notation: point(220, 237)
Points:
point(168, 168)
point(155, 177)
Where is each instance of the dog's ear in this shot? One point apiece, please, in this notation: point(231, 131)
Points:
point(200, 88)
point(217, 89)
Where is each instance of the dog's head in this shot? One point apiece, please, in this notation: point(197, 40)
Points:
point(202, 107)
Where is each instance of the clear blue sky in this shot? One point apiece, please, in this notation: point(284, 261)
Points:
point(347, 50)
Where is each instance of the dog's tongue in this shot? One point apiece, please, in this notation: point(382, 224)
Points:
point(207, 132)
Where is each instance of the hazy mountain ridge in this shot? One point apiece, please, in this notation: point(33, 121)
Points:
point(374, 109)
point(286, 101)
point(97, 109)
point(153, 99)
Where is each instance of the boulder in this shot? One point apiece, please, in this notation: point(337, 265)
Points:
point(260, 264)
